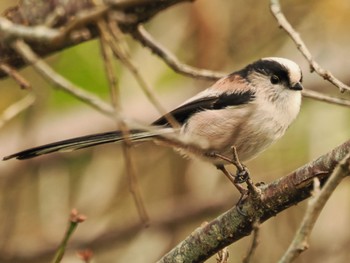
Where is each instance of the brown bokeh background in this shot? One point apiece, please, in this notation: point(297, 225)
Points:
point(179, 194)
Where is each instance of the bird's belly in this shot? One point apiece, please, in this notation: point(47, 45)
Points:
point(249, 137)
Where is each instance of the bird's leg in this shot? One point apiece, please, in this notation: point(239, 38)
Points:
point(242, 190)
point(242, 172)
point(243, 175)
point(233, 180)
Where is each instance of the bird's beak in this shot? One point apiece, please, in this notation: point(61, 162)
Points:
point(297, 86)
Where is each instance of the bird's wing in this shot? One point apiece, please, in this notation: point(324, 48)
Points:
point(212, 102)
point(229, 91)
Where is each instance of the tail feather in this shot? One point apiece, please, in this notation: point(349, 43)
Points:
point(79, 143)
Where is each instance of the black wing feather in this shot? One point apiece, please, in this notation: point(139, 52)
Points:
point(77, 143)
point(184, 112)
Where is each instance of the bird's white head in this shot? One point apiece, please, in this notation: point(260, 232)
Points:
point(273, 78)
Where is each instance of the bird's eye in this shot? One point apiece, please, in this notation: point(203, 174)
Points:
point(275, 79)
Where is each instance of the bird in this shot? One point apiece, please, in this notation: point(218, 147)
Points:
point(249, 110)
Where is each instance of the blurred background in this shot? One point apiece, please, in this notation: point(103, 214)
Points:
point(179, 195)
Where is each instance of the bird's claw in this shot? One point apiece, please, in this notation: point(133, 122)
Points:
point(242, 176)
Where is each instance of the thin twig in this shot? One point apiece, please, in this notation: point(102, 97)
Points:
point(14, 74)
point(254, 244)
point(315, 206)
point(325, 98)
point(75, 219)
point(82, 18)
point(59, 81)
point(134, 187)
point(314, 66)
point(141, 35)
point(124, 58)
point(16, 108)
point(107, 55)
point(57, 14)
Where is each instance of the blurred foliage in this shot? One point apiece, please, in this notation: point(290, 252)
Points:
point(222, 35)
point(85, 71)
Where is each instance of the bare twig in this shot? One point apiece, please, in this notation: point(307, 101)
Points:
point(315, 206)
point(124, 58)
point(134, 187)
point(11, 30)
point(16, 108)
point(107, 55)
point(82, 18)
point(57, 14)
point(325, 98)
point(134, 184)
point(59, 81)
point(14, 74)
point(314, 66)
point(75, 219)
point(147, 40)
point(254, 244)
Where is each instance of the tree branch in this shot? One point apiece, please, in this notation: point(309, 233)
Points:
point(308, 93)
point(316, 204)
point(28, 21)
point(314, 66)
point(141, 35)
point(277, 196)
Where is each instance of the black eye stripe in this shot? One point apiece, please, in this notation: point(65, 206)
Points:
point(270, 68)
point(267, 68)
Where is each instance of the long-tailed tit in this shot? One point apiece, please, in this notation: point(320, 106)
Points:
point(248, 109)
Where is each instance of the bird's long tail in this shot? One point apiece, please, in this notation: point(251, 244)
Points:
point(83, 142)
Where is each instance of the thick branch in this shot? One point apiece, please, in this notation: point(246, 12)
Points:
point(28, 20)
point(276, 197)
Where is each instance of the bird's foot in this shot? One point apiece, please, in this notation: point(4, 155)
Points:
point(242, 176)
